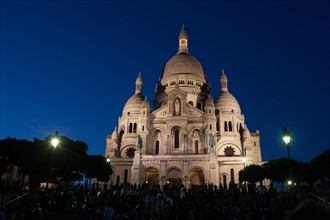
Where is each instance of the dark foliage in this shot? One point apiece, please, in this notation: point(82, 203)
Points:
point(67, 162)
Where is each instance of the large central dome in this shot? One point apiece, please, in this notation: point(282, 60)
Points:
point(185, 72)
point(184, 63)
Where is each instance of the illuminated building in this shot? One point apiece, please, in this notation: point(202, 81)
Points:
point(188, 138)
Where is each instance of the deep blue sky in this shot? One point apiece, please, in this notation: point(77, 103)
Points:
point(71, 65)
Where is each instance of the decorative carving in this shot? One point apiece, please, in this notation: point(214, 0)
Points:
point(195, 121)
point(229, 151)
point(130, 152)
point(158, 122)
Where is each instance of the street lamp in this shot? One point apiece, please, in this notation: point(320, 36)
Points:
point(54, 142)
point(287, 138)
point(244, 160)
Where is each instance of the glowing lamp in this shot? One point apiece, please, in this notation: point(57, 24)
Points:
point(55, 141)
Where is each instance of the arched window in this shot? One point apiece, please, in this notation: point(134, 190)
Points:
point(232, 178)
point(176, 139)
point(157, 148)
point(230, 126)
point(134, 128)
point(199, 106)
point(191, 103)
point(196, 147)
point(125, 176)
point(226, 126)
point(210, 127)
point(130, 128)
point(224, 178)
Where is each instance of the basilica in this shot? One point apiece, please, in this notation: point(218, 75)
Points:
point(189, 137)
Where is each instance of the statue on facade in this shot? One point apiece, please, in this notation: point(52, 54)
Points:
point(138, 142)
point(211, 140)
point(177, 107)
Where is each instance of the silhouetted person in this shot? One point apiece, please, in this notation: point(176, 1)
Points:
point(108, 212)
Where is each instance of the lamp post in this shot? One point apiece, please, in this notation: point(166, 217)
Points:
point(244, 165)
point(287, 138)
point(109, 161)
point(54, 143)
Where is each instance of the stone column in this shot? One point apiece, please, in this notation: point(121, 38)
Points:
point(135, 178)
point(214, 171)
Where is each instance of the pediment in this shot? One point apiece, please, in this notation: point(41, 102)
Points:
point(194, 112)
point(177, 92)
point(161, 112)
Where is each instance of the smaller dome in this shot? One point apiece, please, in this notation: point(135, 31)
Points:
point(227, 102)
point(134, 103)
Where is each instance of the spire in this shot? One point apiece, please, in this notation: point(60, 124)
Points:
point(183, 41)
point(138, 84)
point(223, 82)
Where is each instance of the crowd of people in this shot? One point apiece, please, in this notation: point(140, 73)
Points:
point(154, 202)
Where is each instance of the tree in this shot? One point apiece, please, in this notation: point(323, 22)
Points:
point(68, 162)
point(278, 170)
point(320, 164)
point(67, 159)
point(96, 166)
point(6, 151)
point(37, 158)
point(16, 152)
point(252, 173)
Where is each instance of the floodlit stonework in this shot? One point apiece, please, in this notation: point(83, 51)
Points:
point(188, 138)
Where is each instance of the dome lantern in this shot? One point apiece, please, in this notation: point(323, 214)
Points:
point(183, 41)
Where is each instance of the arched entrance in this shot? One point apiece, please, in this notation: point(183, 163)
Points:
point(152, 176)
point(197, 177)
point(174, 177)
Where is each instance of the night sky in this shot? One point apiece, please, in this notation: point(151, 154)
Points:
point(70, 66)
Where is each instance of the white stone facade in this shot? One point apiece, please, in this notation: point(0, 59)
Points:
point(188, 138)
